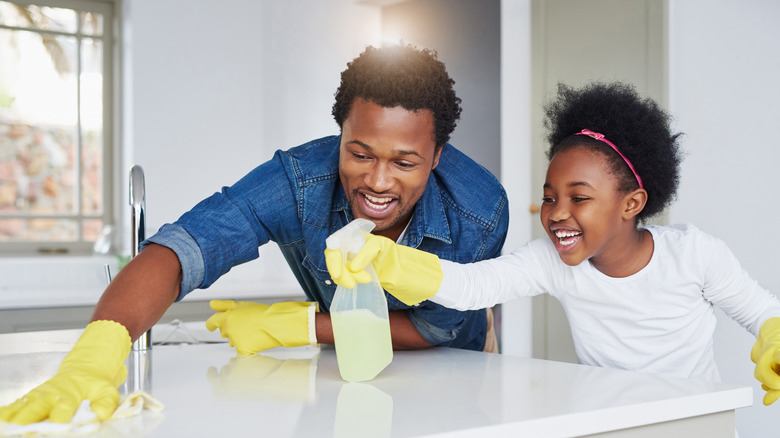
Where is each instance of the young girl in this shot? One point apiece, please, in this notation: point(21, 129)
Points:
point(637, 298)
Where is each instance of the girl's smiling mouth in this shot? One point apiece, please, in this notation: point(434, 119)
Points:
point(566, 238)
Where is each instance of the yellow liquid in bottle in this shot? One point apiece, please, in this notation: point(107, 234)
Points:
point(363, 344)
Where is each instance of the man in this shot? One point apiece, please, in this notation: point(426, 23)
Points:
point(391, 165)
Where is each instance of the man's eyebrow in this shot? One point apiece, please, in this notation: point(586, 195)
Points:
point(398, 151)
point(403, 152)
point(361, 144)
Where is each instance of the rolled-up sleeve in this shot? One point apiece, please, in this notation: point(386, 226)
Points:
point(436, 324)
point(180, 242)
point(226, 229)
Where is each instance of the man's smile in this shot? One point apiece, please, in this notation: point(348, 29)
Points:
point(378, 205)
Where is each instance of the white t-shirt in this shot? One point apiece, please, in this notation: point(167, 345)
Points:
point(659, 320)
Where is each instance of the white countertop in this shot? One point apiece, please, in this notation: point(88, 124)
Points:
point(209, 390)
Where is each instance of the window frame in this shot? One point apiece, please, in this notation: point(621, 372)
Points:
point(111, 56)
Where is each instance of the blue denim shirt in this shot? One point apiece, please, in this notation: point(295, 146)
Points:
point(296, 200)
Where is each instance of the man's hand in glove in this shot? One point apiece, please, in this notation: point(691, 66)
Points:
point(92, 370)
point(253, 327)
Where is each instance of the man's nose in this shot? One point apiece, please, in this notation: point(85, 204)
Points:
point(379, 179)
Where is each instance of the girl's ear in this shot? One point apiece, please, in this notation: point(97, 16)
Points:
point(634, 203)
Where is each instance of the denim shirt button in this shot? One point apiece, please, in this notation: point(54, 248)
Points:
point(327, 282)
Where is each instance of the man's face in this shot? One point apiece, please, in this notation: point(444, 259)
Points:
point(385, 158)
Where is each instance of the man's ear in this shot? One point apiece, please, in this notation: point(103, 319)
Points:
point(436, 155)
point(634, 203)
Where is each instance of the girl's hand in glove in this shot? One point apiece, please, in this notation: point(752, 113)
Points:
point(408, 274)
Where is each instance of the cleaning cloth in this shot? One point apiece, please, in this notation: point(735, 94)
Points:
point(84, 422)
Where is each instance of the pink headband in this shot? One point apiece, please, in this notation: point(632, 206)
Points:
point(600, 137)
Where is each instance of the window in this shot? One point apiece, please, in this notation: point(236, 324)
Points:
point(56, 120)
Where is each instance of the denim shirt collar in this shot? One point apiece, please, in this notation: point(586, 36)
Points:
point(428, 219)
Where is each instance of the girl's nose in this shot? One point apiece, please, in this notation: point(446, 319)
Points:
point(559, 212)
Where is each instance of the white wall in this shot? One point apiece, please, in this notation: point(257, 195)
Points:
point(467, 38)
point(723, 92)
point(516, 315)
point(213, 88)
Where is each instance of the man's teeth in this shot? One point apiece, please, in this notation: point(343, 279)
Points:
point(377, 202)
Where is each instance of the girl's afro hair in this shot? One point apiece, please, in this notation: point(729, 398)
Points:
point(637, 126)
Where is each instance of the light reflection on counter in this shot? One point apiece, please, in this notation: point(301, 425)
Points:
point(260, 377)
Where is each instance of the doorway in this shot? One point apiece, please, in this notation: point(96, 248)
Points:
point(576, 42)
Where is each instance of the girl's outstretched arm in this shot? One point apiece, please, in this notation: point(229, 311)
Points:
point(414, 276)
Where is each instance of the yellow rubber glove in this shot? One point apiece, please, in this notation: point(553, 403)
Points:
point(92, 370)
point(253, 327)
point(340, 274)
point(766, 356)
point(408, 274)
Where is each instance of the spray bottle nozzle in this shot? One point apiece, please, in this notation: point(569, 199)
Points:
point(351, 238)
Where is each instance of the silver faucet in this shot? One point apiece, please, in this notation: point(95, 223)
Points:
point(138, 204)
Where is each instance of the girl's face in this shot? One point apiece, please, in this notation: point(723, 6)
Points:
point(582, 210)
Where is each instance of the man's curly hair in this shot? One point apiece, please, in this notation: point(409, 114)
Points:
point(637, 126)
point(401, 75)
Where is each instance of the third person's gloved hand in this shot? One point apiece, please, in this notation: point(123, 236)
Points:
point(409, 274)
point(92, 370)
point(253, 327)
point(766, 355)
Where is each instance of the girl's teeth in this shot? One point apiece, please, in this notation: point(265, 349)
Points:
point(566, 238)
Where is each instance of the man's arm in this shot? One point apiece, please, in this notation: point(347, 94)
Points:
point(93, 369)
point(142, 291)
point(404, 334)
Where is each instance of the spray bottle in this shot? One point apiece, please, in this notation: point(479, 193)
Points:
point(361, 325)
